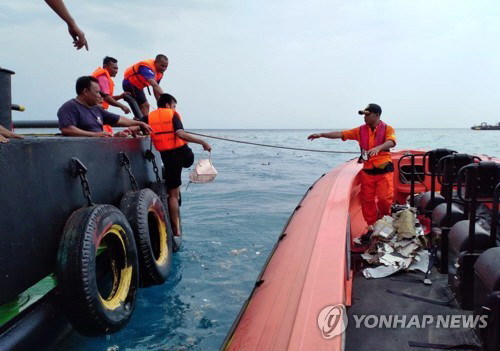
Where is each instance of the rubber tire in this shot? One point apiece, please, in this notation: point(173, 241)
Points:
point(145, 211)
point(161, 190)
point(76, 270)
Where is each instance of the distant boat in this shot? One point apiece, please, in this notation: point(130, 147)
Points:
point(485, 126)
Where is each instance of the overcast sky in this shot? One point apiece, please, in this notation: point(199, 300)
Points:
point(271, 63)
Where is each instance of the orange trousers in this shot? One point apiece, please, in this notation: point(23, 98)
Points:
point(380, 186)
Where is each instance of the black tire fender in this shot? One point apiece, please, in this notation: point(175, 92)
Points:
point(149, 221)
point(85, 231)
point(161, 190)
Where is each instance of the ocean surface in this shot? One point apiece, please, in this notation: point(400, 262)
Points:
point(231, 225)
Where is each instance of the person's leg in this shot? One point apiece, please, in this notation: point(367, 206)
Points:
point(173, 170)
point(385, 193)
point(144, 108)
point(139, 97)
point(367, 194)
point(173, 209)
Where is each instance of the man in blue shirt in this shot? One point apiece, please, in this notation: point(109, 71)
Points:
point(145, 74)
point(82, 116)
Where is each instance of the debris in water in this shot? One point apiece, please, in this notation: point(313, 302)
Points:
point(237, 252)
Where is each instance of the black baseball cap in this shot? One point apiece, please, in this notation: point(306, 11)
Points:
point(373, 108)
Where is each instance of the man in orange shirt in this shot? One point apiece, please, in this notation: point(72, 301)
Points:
point(375, 138)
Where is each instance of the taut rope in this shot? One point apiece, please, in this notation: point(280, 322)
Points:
point(275, 146)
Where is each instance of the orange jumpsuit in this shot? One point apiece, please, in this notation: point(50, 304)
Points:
point(378, 186)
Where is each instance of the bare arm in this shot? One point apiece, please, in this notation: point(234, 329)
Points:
point(75, 131)
point(329, 135)
point(157, 90)
point(76, 33)
point(387, 145)
point(188, 137)
point(5, 133)
point(112, 101)
point(382, 147)
point(127, 122)
point(119, 97)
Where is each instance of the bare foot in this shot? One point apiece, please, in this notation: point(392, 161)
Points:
point(3, 140)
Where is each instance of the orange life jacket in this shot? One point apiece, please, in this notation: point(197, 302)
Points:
point(136, 79)
point(383, 157)
point(379, 137)
point(164, 138)
point(107, 128)
point(99, 72)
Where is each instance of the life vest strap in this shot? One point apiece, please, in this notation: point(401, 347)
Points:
point(379, 137)
point(140, 77)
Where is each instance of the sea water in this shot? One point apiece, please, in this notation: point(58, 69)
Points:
point(231, 225)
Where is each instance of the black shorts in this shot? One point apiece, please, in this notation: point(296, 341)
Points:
point(138, 94)
point(389, 167)
point(174, 160)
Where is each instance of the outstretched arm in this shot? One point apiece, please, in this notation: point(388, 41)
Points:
point(75, 131)
point(112, 101)
point(5, 133)
point(188, 137)
point(329, 135)
point(76, 33)
point(127, 122)
point(157, 90)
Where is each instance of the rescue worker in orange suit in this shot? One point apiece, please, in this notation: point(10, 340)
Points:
point(375, 138)
point(171, 140)
point(142, 75)
point(104, 75)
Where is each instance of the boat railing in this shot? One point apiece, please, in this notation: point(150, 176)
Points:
point(36, 124)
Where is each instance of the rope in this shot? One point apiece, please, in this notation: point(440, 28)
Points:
point(275, 146)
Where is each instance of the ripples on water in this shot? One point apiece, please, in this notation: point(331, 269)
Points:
point(231, 225)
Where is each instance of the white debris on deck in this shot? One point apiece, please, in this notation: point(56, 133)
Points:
point(397, 243)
